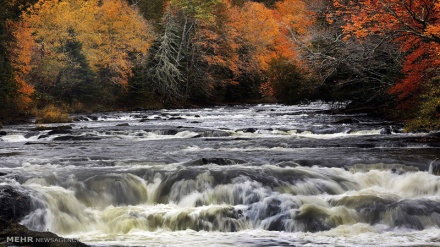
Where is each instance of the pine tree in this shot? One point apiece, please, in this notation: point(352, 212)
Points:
point(165, 60)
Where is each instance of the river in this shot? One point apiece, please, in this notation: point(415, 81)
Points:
point(249, 175)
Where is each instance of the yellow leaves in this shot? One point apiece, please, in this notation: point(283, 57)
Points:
point(115, 31)
point(107, 29)
point(201, 9)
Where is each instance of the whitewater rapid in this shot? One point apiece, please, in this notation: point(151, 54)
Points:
point(257, 175)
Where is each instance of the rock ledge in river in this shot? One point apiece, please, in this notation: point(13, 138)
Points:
point(14, 234)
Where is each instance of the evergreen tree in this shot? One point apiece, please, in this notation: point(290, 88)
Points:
point(163, 68)
point(76, 81)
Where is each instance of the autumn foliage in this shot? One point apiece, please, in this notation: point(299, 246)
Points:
point(414, 25)
point(99, 54)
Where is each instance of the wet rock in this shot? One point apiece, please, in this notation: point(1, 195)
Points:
point(93, 118)
point(218, 161)
point(43, 136)
point(312, 218)
point(250, 130)
point(123, 125)
point(80, 118)
point(413, 214)
point(434, 167)
point(287, 164)
point(61, 127)
point(164, 189)
point(76, 138)
point(386, 131)
point(346, 121)
point(14, 234)
point(277, 224)
point(3, 133)
point(31, 134)
point(175, 118)
point(215, 133)
point(64, 138)
point(369, 207)
point(14, 204)
point(434, 134)
point(169, 132)
point(59, 132)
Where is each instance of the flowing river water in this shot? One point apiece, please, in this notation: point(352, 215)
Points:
point(254, 175)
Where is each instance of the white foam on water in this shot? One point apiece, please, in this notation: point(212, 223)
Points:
point(357, 235)
point(14, 138)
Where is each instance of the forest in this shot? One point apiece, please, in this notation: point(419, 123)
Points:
point(66, 56)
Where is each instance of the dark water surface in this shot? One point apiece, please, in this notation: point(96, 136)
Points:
point(261, 175)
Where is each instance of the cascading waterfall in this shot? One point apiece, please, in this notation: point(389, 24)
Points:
point(264, 175)
point(234, 198)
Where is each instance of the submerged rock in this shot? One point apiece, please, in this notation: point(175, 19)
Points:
point(77, 138)
point(217, 161)
point(386, 131)
point(57, 128)
point(59, 132)
point(434, 167)
point(346, 121)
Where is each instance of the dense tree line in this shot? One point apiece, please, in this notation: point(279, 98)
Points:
point(118, 54)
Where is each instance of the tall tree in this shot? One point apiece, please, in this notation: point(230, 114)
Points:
point(164, 66)
point(412, 24)
point(11, 99)
point(113, 36)
point(346, 69)
point(76, 82)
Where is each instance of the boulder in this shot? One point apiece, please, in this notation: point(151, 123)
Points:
point(14, 204)
point(123, 125)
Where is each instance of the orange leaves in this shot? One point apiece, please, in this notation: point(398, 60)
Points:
point(259, 34)
point(255, 24)
point(109, 30)
point(21, 56)
point(253, 32)
point(364, 17)
point(414, 25)
point(294, 16)
point(266, 32)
